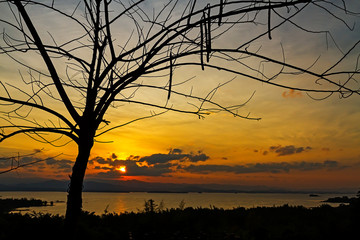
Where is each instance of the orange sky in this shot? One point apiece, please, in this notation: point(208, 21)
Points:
point(299, 142)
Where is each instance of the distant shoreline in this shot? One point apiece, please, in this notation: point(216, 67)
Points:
point(343, 199)
point(97, 185)
point(182, 192)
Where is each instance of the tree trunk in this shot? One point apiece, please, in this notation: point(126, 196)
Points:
point(74, 198)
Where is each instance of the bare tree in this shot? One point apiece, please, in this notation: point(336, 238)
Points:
point(113, 52)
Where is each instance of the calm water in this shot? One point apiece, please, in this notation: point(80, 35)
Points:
point(126, 202)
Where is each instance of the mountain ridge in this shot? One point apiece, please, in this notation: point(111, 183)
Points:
point(97, 185)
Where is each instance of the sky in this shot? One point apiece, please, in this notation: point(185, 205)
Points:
point(299, 142)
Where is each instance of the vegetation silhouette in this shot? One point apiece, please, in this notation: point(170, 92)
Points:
point(281, 223)
point(95, 66)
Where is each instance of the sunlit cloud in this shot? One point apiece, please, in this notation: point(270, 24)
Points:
point(158, 164)
point(121, 169)
point(291, 94)
point(133, 169)
point(176, 161)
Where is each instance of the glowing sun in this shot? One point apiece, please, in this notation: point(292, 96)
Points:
point(121, 169)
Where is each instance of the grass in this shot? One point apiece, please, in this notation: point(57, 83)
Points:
point(261, 223)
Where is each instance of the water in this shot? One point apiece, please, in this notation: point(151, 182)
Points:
point(98, 202)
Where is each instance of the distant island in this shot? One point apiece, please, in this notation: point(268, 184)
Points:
point(313, 195)
point(10, 204)
point(343, 199)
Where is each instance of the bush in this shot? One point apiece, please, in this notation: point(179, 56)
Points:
point(280, 223)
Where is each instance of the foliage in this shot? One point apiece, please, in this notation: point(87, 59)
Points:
point(285, 222)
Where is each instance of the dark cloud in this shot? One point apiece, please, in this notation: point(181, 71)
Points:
point(62, 164)
point(176, 151)
point(156, 170)
point(109, 174)
point(100, 160)
point(264, 167)
point(134, 169)
point(12, 161)
point(165, 164)
point(26, 160)
point(174, 154)
point(134, 158)
point(161, 158)
point(103, 168)
point(5, 162)
point(158, 164)
point(40, 163)
point(288, 150)
point(201, 157)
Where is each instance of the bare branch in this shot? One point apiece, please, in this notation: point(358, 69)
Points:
point(13, 168)
point(47, 60)
point(35, 130)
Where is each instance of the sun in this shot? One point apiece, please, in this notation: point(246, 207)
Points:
point(121, 169)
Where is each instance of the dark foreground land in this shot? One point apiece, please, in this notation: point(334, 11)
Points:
point(262, 223)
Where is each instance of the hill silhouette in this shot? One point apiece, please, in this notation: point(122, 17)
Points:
point(96, 185)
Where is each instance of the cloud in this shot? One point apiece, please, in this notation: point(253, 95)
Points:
point(26, 160)
point(161, 158)
point(291, 94)
point(100, 160)
point(176, 160)
point(281, 167)
point(62, 164)
point(174, 154)
point(132, 168)
point(40, 163)
point(5, 162)
point(158, 164)
point(176, 151)
point(284, 150)
point(288, 150)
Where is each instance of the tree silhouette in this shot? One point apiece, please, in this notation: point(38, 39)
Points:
point(113, 52)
